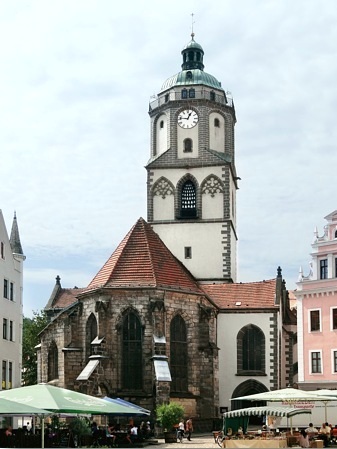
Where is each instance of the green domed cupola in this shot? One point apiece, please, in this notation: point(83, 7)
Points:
point(192, 56)
point(192, 72)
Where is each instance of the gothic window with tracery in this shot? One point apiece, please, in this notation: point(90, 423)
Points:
point(53, 362)
point(132, 367)
point(188, 200)
point(178, 354)
point(251, 350)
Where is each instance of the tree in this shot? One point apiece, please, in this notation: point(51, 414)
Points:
point(30, 338)
point(169, 414)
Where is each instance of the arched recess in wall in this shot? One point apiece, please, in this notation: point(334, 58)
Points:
point(132, 351)
point(161, 135)
point(91, 333)
point(162, 197)
point(250, 386)
point(251, 349)
point(217, 131)
point(212, 191)
point(187, 199)
point(53, 362)
point(178, 355)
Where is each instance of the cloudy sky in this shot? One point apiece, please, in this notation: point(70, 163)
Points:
point(76, 79)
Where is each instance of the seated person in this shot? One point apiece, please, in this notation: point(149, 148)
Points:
point(324, 434)
point(304, 439)
point(311, 430)
point(134, 434)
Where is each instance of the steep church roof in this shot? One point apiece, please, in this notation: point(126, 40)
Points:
point(243, 296)
point(62, 297)
point(142, 260)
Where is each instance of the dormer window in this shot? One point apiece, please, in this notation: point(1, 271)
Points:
point(189, 75)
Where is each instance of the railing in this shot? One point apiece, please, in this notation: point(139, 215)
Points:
point(201, 94)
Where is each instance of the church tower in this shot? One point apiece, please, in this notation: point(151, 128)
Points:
point(191, 175)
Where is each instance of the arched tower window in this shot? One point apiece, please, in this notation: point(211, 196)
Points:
point(53, 362)
point(188, 202)
point(91, 334)
point(251, 350)
point(178, 354)
point(132, 367)
point(217, 123)
point(188, 146)
point(161, 124)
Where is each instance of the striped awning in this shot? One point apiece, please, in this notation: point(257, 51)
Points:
point(266, 411)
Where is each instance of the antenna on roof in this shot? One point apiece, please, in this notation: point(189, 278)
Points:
point(193, 22)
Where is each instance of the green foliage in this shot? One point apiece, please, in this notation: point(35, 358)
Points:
point(170, 414)
point(80, 427)
point(31, 329)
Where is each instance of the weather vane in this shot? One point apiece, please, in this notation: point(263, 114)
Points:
point(193, 22)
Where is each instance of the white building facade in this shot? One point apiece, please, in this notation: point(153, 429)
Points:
point(11, 314)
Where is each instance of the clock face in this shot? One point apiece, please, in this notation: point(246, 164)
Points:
point(187, 118)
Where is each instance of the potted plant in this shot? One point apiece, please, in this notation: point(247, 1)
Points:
point(79, 429)
point(169, 415)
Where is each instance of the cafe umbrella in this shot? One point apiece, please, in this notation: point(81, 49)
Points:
point(61, 400)
point(332, 394)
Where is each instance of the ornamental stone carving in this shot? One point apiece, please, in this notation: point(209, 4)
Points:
point(162, 188)
point(212, 186)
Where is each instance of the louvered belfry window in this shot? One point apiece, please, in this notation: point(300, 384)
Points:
point(132, 369)
point(188, 200)
point(178, 354)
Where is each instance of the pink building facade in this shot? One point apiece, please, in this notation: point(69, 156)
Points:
point(316, 296)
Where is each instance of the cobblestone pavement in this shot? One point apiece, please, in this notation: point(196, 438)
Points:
point(197, 441)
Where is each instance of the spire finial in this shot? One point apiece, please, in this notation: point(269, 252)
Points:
point(193, 22)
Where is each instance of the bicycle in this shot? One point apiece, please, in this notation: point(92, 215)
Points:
point(180, 435)
point(219, 437)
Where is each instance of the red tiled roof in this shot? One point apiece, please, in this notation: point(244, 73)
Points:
point(142, 260)
point(251, 295)
point(65, 297)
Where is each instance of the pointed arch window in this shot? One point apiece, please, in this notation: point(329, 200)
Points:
point(188, 203)
point(91, 334)
point(251, 351)
point(53, 362)
point(188, 146)
point(132, 367)
point(178, 355)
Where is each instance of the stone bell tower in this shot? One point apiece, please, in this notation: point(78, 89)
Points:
point(192, 181)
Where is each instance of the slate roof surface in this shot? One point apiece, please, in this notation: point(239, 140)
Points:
point(142, 260)
point(250, 295)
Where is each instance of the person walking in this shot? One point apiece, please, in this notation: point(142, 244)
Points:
point(189, 428)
